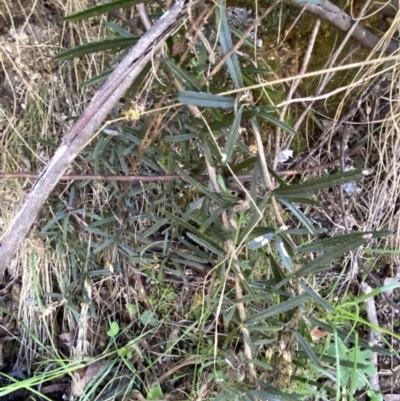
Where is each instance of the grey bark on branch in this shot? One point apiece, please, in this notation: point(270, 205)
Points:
point(84, 130)
point(341, 20)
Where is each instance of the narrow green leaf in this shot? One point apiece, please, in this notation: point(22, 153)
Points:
point(205, 99)
point(232, 137)
point(306, 346)
point(278, 395)
point(98, 78)
point(225, 40)
point(102, 9)
point(260, 241)
point(303, 201)
point(326, 244)
point(256, 70)
point(199, 187)
point(348, 337)
point(239, 34)
point(277, 122)
point(299, 215)
point(204, 244)
point(303, 231)
point(285, 257)
point(322, 261)
point(227, 120)
point(251, 225)
point(318, 184)
point(278, 308)
point(317, 298)
point(248, 162)
point(185, 79)
point(179, 138)
point(275, 269)
point(198, 233)
point(117, 29)
point(115, 45)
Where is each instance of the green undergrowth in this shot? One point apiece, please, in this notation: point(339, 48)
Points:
point(147, 269)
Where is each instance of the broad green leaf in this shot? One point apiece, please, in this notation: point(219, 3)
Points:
point(122, 352)
point(185, 79)
point(114, 329)
point(117, 29)
point(299, 215)
point(149, 318)
point(312, 186)
point(232, 137)
point(94, 47)
point(278, 308)
point(102, 9)
point(277, 122)
point(325, 259)
point(198, 233)
point(225, 40)
point(205, 99)
point(306, 347)
point(155, 393)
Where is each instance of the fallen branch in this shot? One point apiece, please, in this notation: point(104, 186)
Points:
point(84, 130)
point(341, 20)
